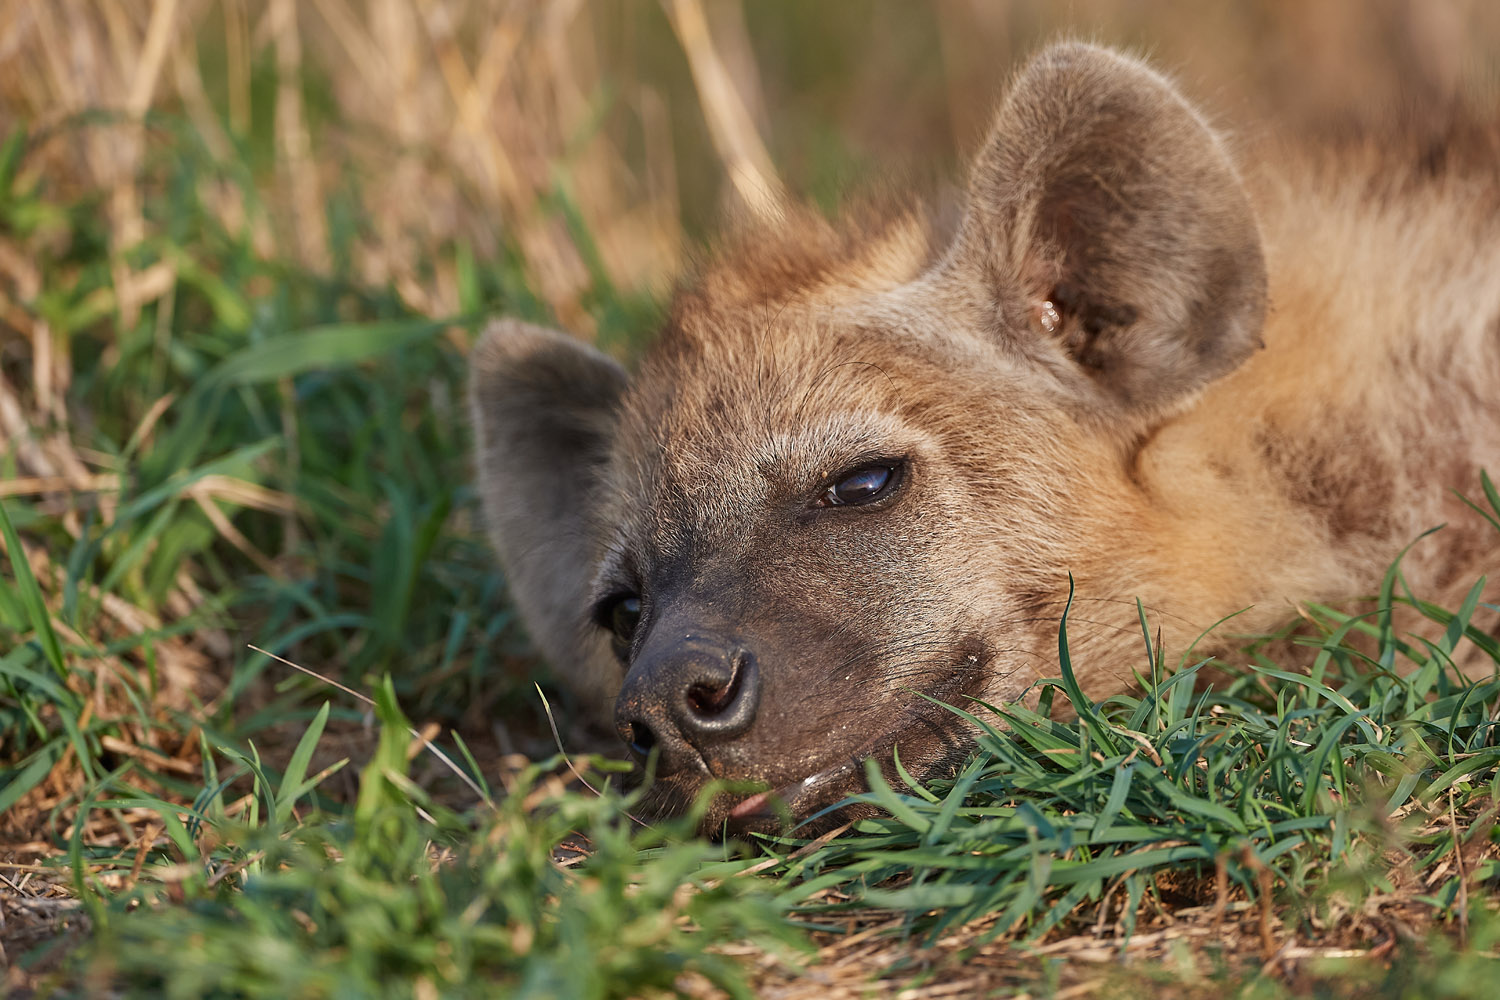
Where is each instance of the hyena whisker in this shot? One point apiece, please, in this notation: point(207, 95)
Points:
point(1153, 612)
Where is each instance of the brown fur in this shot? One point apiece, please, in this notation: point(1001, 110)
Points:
point(1260, 391)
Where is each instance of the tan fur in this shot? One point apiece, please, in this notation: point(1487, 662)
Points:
point(1262, 390)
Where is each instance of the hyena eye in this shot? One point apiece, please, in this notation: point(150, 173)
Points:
point(621, 618)
point(864, 485)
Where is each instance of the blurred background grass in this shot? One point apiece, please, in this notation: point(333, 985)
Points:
point(244, 246)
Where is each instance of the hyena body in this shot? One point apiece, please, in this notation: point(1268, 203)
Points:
point(857, 466)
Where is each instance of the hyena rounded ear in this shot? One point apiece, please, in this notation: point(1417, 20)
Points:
point(1113, 233)
point(544, 410)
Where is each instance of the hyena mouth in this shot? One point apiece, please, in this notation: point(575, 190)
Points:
point(806, 806)
point(800, 799)
point(935, 738)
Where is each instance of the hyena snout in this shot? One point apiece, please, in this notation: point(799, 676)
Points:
point(689, 697)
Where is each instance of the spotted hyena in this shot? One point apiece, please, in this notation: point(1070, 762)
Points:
point(860, 462)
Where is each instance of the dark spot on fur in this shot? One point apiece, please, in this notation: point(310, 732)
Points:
point(1032, 603)
point(1348, 487)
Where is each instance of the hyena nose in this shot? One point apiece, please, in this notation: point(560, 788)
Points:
point(688, 698)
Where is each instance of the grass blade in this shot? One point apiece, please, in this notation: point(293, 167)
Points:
point(31, 597)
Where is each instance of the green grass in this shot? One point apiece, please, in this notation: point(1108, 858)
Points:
point(380, 899)
point(1296, 775)
point(1312, 792)
point(1312, 788)
point(264, 391)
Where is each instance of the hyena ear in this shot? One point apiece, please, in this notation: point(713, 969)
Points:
point(1113, 234)
point(544, 406)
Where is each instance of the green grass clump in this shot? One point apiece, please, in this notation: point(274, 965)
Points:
point(403, 897)
point(1301, 781)
point(1308, 794)
point(320, 418)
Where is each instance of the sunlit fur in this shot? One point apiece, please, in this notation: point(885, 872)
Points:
point(1271, 378)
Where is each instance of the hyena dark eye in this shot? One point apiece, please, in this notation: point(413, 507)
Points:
point(864, 485)
point(621, 618)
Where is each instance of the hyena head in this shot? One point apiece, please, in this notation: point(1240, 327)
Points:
point(854, 469)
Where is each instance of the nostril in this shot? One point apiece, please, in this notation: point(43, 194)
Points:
point(686, 701)
point(706, 700)
point(640, 738)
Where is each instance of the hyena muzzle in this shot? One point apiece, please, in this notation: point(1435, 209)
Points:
point(855, 470)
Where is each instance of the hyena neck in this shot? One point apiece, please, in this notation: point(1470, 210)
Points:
point(1376, 397)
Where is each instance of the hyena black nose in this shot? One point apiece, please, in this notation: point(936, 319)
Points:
point(688, 697)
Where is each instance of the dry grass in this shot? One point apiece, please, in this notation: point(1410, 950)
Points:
point(456, 116)
point(1199, 936)
point(462, 118)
